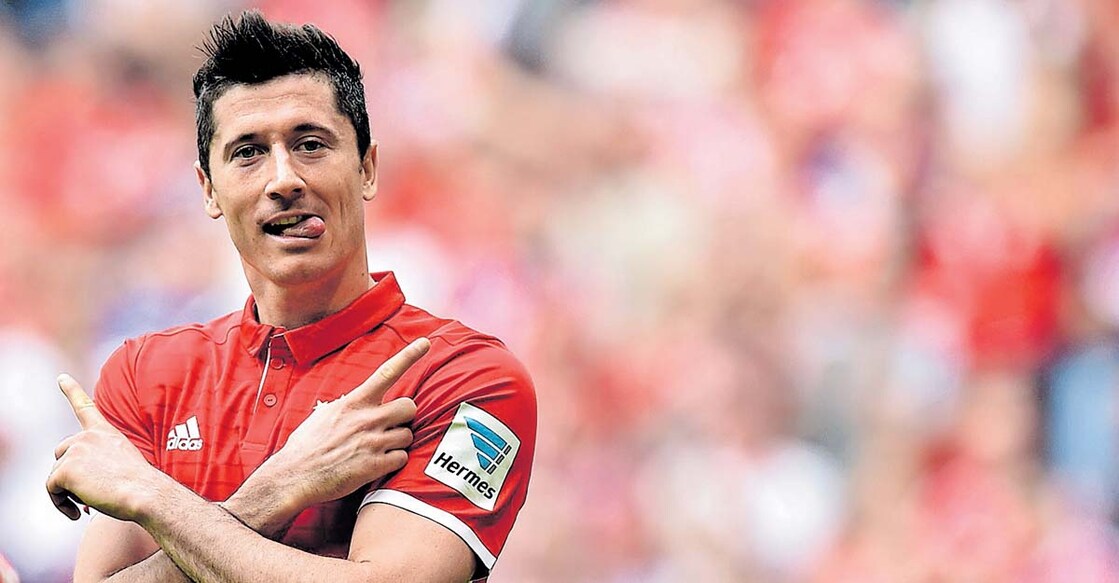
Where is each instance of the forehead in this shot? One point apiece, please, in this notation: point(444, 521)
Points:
point(277, 105)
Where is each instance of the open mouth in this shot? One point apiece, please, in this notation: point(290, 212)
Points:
point(302, 226)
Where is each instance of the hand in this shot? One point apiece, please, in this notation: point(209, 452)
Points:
point(98, 466)
point(349, 442)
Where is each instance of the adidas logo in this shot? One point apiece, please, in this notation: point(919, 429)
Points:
point(185, 436)
point(492, 449)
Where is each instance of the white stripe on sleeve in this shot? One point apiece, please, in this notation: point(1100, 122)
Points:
point(448, 520)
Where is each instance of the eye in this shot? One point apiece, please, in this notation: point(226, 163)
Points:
point(246, 152)
point(311, 145)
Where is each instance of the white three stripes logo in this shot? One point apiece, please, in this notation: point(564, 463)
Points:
point(185, 436)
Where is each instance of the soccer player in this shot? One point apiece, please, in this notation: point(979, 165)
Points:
point(328, 431)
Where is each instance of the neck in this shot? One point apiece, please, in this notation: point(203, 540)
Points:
point(292, 306)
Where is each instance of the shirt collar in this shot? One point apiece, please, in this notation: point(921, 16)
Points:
point(314, 341)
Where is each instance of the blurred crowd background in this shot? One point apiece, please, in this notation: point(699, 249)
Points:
point(813, 291)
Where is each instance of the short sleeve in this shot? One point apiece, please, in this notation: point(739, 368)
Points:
point(117, 399)
point(471, 459)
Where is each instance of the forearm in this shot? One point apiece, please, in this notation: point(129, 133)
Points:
point(341, 446)
point(255, 504)
point(207, 543)
point(157, 567)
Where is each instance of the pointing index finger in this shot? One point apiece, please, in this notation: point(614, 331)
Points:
point(374, 387)
point(80, 402)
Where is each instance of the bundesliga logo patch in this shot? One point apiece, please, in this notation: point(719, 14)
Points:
point(475, 455)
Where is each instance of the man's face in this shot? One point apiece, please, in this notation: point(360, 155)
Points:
point(286, 175)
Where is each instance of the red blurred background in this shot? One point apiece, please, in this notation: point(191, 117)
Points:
point(813, 291)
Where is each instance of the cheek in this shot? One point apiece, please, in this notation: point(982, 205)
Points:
point(350, 205)
point(240, 228)
point(240, 236)
point(355, 218)
point(234, 205)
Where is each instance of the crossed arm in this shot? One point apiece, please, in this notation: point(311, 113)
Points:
point(340, 447)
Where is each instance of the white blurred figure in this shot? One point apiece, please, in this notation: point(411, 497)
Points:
point(39, 541)
point(982, 64)
point(658, 50)
point(734, 494)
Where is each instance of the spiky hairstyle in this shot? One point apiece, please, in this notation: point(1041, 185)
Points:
point(250, 50)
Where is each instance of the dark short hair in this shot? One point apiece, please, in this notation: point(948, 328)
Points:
point(250, 50)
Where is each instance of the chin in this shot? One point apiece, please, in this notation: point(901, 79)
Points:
point(296, 270)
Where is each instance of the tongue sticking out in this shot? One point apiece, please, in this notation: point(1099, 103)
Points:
point(309, 228)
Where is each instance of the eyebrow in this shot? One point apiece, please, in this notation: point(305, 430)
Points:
point(313, 127)
point(253, 136)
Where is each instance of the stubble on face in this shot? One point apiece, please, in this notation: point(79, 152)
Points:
point(282, 149)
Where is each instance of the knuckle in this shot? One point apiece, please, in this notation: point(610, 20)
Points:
point(54, 481)
point(398, 458)
point(387, 372)
point(403, 407)
point(378, 416)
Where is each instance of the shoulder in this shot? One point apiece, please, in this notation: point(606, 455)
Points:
point(454, 345)
point(410, 322)
point(463, 364)
point(139, 373)
point(216, 331)
point(176, 343)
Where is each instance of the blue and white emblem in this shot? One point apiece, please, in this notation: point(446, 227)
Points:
point(475, 455)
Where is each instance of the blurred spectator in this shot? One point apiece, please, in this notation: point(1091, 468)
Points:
point(32, 422)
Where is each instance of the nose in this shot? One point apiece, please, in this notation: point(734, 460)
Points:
point(285, 184)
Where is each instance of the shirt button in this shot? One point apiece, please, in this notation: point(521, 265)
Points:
point(277, 363)
point(269, 400)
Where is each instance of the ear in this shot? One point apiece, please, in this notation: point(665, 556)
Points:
point(369, 172)
point(208, 200)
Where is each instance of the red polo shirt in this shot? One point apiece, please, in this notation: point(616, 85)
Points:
point(207, 404)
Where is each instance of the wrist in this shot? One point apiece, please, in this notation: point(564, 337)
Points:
point(264, 506)
point(157, 499)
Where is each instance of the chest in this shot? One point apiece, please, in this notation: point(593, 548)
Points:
point(216, 418)
point(215, 421)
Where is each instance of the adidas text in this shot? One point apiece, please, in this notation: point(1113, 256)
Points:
point(185, 436)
